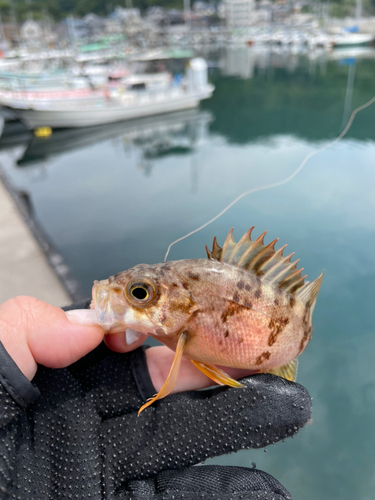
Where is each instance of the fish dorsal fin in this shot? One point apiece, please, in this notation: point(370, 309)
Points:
point(266, 262)
point(309, 292)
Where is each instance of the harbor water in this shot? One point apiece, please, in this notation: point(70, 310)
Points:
point(114, 196)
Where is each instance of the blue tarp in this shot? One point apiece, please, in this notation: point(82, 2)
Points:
point(351, 29)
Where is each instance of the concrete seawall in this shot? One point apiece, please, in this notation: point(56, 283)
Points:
point(24, 269)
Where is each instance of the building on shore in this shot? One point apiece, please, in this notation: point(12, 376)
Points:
point(239, 13)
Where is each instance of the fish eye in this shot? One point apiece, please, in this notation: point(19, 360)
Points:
point(141, 293)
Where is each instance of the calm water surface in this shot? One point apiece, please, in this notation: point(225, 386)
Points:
point(112, 197)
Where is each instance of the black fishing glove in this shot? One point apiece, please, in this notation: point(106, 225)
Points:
point(74, 433)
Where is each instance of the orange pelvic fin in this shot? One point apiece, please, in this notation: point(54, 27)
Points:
point(172, 376)
point(217, 375)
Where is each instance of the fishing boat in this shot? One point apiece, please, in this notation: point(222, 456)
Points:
point(120, 104)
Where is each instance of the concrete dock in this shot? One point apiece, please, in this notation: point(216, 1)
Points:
point(24, 269)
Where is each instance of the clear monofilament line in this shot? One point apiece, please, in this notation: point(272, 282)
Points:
point(280, 183)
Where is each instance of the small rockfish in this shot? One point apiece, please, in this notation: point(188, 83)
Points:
point(247, 306)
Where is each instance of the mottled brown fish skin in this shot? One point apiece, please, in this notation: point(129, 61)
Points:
point(231, 317)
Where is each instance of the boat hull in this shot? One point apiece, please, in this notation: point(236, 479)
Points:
point(352, 40)
point(58, 117)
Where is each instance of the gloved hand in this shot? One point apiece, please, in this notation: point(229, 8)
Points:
point(82, 438)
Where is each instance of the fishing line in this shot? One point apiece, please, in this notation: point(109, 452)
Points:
point(280, 183)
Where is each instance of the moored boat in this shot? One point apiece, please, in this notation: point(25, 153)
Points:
point(120, 104)
point(351, 39)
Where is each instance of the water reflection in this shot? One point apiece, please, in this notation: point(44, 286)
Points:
point(115, 198)
point(242, 62)
point(267, 93)
point(174, 133)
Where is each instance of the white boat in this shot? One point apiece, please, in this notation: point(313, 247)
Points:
point(351, 39)
point(118, 105)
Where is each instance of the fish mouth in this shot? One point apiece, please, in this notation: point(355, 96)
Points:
point(110, 306)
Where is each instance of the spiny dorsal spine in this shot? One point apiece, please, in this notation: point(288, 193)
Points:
point(263, 260)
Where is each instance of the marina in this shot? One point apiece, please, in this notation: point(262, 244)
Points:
point(112, 196)
point(114, 145)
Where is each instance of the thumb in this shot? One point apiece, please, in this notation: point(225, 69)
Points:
point(33, 331)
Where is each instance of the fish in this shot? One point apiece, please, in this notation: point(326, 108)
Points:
point(245, 306)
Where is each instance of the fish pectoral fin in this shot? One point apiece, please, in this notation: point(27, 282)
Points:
point(288, 371)
point(217, 375)
point(172, 375)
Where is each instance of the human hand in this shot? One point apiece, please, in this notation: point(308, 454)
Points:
point(96, 401)
point(34, 332)
point(150, 457)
